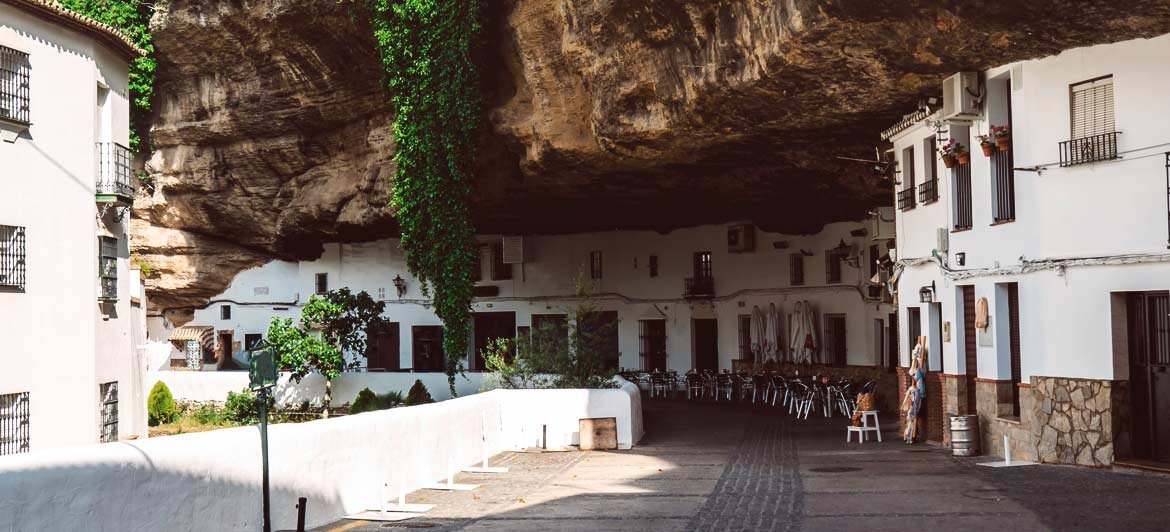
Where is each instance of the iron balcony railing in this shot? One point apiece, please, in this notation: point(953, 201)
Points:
point(14, 89)
point(1092, 149)
point(699, 287)
point(1004, 178)
point(115, 176)
point(928, 192)
point(906, 199)
point(962, 193)
point(14, 423)
point(12, 260)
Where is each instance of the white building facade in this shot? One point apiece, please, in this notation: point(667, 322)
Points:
point(1062, 233)
point(680, 300)
point(71, 308)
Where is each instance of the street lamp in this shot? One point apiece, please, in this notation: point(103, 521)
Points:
point(926, 293)
point(400, 285)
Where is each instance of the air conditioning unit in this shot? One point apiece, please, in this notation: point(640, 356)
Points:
point(882, 230)
point(741, 238)
point(943, 237)
point(961, 97)
point(515, 252)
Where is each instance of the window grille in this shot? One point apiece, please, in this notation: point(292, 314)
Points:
point(225, 312)
point(595, 265)
point(108, 268)
point(745, 337)
point(906, 195)
point(108, 393)
point(14, 423)
point(12, 261)
point(961, 174)
point(115, 175)
point(322, 283)
point(833, 261)
point(796, 269)
point(653, 265)
point(14, 85)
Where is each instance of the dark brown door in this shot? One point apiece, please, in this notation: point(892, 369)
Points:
point(1014, 337)
point(969, 345)
point(653, 344)
point(1149, 351)
point(914, 322)
point(892, 338)
point(427, 348)
point(488, 327)
point(383, 349)
point(706, 345)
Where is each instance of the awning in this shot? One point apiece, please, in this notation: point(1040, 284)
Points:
point(204, 334)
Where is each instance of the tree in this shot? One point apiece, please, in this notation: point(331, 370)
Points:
point(333, 326)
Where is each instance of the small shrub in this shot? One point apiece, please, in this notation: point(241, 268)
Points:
point(244, 407)
point(210, 414)
point(391, 399)
point(418, 394)
point(160, 405)
point(366, 401)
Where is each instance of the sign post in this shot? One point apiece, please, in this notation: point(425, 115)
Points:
point(262, 374)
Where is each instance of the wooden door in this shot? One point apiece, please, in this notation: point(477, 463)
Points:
point(970, 352)
point(223, 352)
point(1149, 339)
point(383, 349)
point(1014, 343)
point(706, 344)
point(653, 339)
point(427, 348)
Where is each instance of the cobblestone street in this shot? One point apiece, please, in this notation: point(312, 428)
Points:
point(723, 467)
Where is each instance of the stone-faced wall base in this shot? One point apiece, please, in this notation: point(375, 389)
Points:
point(1075, 419)
point(995, 420)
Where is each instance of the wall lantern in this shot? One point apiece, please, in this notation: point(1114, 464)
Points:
point(926, 293)
point(960, 259)
point(400, 284)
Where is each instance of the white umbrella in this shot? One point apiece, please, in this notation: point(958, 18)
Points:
point(757, 330)
point(778, 333)
point(773, 348)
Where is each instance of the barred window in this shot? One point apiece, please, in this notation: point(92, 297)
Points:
point(14, 91)
point(1092, 107)
point(796, 269)
point(108, 267)
point(322, 283)
point(12, 256)
point(13, 423)
point(108, 394)
point(595, 265)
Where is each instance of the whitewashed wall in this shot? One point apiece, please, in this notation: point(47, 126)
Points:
point(545, 286)
point(180, 483)
point(1105, 209)
point(59, 344)
point(215, 385)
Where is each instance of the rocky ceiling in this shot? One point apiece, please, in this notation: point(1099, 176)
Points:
point(272, 131)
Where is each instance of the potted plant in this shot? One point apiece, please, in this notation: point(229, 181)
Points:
point(951, 153)
point(987, 143)
point(1003, 137)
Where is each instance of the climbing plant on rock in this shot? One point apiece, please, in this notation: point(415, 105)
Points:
point(132, 18)
point(426, 49)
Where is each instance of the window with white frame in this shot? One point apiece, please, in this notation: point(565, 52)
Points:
point(1091, 105)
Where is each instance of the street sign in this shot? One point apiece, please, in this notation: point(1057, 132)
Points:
point(262, 367)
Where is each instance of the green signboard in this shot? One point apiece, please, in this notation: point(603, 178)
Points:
point(262, 370)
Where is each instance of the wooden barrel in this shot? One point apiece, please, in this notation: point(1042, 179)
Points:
point(965, 435)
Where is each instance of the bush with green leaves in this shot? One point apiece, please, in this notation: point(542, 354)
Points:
point(418, 394)
point(243, 407)
point(568, 354)
point(368, 401)
point(160, 405)
point(210, 414)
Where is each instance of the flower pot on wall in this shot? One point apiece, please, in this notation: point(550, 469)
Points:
point(963, 157)
point(988, 148)
point(1004, 143)
point(948, 161)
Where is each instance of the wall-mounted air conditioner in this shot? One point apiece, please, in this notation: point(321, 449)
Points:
point(961, 97)
point(943, 237)
point(741, 238)
point(515, 250)
point(881, 225)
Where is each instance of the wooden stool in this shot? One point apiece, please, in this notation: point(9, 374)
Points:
point(865, 427)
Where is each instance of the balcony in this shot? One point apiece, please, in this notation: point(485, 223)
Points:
point(1086, 150)
point(906, 199)
point(115, 178)
point(928, 192)
point(698, 287)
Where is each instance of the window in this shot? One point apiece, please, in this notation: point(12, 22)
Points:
point(14, 85)
point(595, 265)
point(14, 423)
point(12, 256)
point(745, 337)
point(906, 195)
point(653, 266)
point(225, 312)
point(835, 339)
point(1091, 121)
point(961, 177)
point(251, 340)
point(500, 271)
point(108, 268)
point(108, 397)
point(702, 265)
point(796, 269)
point(652, 344)
point(928, 190)
point(833, 259)
point(322, 283)
point(477, 270)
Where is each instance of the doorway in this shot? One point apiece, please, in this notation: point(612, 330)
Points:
point(969, 349)
point(706, 344)
point(488, 327)
point(879, 343)
point(652, 339)
point(1148, 316)
point(892, 343)
point(223, 352)
point(427, 348)
point(383, 348)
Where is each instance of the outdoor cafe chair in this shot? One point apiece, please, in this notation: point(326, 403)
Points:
point(694, 385)
point(724, 384)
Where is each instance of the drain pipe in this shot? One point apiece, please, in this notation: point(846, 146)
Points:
point(301, 503)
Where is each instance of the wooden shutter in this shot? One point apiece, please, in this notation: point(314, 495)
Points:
point(1014, 324)
point(908, 168)
point(1092, 107)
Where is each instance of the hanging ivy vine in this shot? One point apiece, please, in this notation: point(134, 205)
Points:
point(426, 49)
point(132, 18)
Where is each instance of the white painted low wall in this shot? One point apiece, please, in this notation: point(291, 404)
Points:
point(211, 480)
point(214, 385)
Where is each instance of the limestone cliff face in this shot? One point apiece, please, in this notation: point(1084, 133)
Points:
point(272, 132)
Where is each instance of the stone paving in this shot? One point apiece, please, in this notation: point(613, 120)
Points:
point(726, 467)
